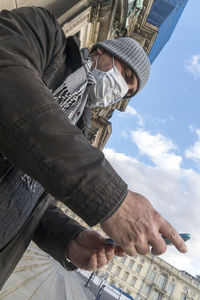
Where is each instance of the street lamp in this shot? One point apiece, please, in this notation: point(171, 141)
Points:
point(100, 292)
point(120, 295)
point(90, 278)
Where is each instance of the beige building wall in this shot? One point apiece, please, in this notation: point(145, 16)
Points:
point(7, 4)
point(147, 277)
point(151, 278)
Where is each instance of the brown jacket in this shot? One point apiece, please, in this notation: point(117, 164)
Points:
point(35, 134)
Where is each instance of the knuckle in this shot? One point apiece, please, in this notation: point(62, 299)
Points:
point(144, 251)
point(157, 217)
point(110, 258)
point(129, 244)
point(133, 252)
point(162, 249)
point(154, 235)
point(149, 229)
point(142, 248)
point(173, 235)
point(130, 249)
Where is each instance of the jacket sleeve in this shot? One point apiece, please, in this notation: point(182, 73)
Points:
point(54, 233)
point(37, 137)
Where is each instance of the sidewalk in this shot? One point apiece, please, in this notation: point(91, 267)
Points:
point(39, 277)
point(75, 288)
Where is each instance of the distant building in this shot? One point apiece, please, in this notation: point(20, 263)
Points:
point(164, 14)
point(151, 23)
point(151, 278)
point(147, 277)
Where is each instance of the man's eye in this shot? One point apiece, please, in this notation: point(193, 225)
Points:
point(130, 93)
point(126, 75)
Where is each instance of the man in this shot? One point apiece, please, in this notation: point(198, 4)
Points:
point(47, 89)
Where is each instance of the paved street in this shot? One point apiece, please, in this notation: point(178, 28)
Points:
point(75, 288)
point(39, 277)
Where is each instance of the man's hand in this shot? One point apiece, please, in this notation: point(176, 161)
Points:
point(136, 226)
point(88, 251)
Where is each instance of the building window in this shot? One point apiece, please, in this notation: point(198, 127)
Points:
point(133, 281)
point(162, 281)
point(117, 272)
point(193, 294)
point(146, 289)
point(152, 276)
point(131, 263)
point(123, 259)
point(125, 276)
point(170, 287)
point(183, 296)
point(112, 282)
point(109, 268)
point(156, 295)
point(142, 260)
point(138, 269)
point(159, 12)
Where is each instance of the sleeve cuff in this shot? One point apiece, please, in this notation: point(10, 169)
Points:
point(98, 204)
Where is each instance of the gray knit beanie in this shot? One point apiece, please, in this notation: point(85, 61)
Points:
point(129, 51)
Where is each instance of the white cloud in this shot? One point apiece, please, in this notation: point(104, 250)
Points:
point(176, 195)
point(130, 111)
point(194, 151)
point(192, 128)
point(158, 148)
point(110, 153)
point(192, 65)
point(125, 134)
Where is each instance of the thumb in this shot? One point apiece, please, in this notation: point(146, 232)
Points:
point(90, 238)
point(96, 238)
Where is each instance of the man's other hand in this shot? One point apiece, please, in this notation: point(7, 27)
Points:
point(136, 226)
point(88, 251)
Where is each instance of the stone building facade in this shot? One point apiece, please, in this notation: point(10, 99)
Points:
point(151, 278)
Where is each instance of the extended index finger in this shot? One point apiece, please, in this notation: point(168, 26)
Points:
point(172, 235)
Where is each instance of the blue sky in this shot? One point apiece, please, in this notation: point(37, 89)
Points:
point(155, 144)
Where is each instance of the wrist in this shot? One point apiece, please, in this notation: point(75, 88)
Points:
point(69, 266)
point(67, 261)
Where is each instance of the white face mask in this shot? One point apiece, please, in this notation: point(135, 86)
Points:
point(110, 87)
